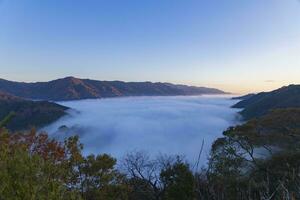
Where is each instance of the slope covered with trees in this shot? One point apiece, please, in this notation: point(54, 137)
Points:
point(28, 113)
point(261, 103)
point(259, 159)
point(71, 88)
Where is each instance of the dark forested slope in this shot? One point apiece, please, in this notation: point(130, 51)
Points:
point(28, 113)
point(261, 103)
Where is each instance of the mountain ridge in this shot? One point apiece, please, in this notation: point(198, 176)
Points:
point(71, 88)
point(261, 103)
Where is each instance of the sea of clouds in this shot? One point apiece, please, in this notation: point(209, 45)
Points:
point(157, 125)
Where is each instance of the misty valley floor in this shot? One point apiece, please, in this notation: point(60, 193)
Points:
point(158, 125)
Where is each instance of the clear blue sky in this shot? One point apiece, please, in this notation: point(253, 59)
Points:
point(236, 45)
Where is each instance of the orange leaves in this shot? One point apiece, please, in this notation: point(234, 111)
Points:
point(35, 144)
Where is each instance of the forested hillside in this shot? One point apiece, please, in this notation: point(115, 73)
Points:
point(26, 114)
point(259, 159)
point(71, 88)
point(261, 103)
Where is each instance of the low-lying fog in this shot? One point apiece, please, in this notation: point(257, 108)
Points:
point(158, 125)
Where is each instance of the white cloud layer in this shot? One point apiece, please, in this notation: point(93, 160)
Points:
point(158, 125)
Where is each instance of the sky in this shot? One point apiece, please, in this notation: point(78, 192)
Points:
point(239, 46)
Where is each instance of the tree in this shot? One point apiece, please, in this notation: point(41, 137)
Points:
point(178, 181)
point(101, 179)
point(259, 159)
point(162, 178)
point(31, 167)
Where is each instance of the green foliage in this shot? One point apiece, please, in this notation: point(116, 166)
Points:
point(31, 167)
point(259, 159)
point(161, 178)
point(178, 181)
point(100, 179)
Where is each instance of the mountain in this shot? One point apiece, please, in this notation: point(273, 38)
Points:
point(244, 97)
point(28, 113)
point(261, 103)
point(71, 88)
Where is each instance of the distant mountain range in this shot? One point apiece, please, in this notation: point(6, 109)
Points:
point(71, 88)
point(260, 104)
point(26, 113)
